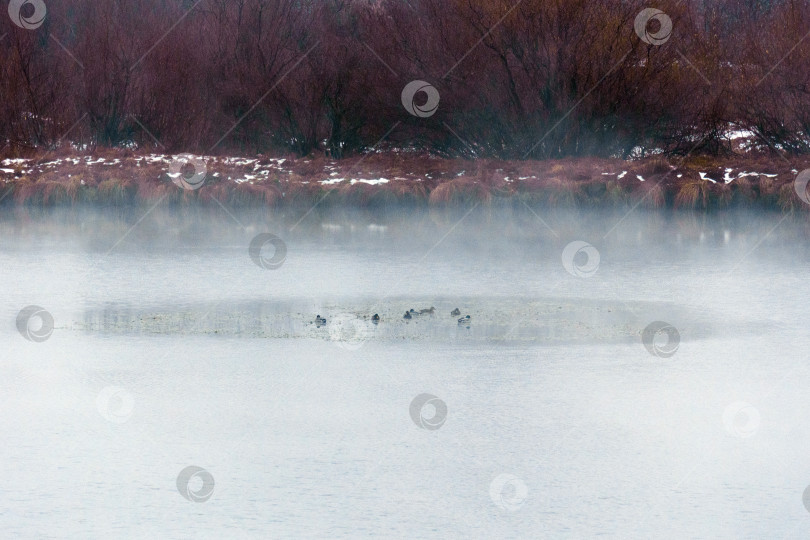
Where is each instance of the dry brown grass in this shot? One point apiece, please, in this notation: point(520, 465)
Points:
point(693, 194)
point(651, 194)
point(460, 191)
point(788, 199)
point(413, 179)
point(560, 191)
point(745, 191)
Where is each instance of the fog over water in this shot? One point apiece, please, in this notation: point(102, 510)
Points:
point(553, 414)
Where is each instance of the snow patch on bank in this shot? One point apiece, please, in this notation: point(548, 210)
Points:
point(353, 181)
point(370, 182)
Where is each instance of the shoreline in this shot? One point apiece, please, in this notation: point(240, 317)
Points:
point(129, 178)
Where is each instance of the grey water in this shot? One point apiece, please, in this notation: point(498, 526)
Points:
point(549, 417)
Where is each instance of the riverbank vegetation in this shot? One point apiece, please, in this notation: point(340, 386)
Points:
point(535, 79)
point(123, 177)
point(541, 102)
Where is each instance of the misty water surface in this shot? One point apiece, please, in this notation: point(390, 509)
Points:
point(171, 348)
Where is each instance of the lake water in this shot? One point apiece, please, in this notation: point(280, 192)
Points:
point(547, 418)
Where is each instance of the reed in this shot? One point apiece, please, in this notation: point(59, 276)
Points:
point(652, 194)
point(130, 178)
point(692, 194)
point(460, 191)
